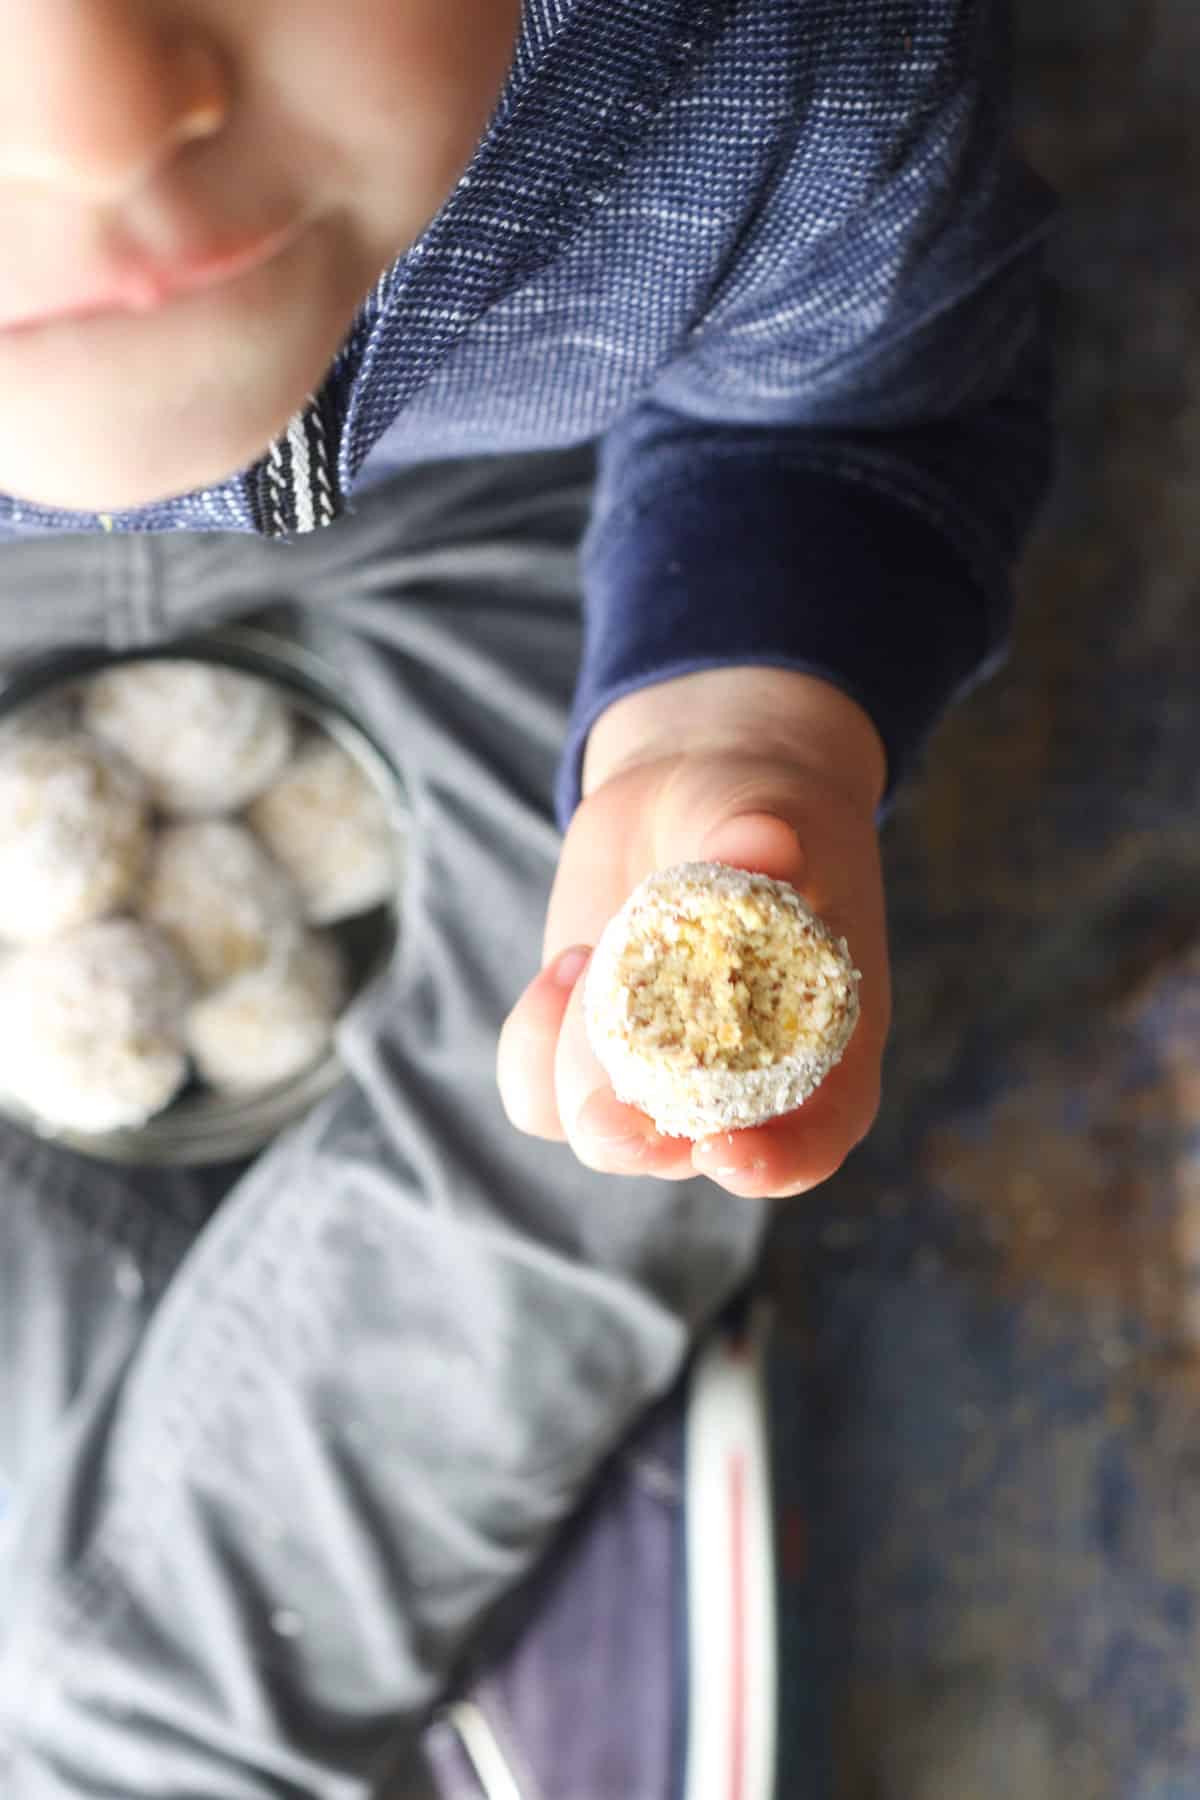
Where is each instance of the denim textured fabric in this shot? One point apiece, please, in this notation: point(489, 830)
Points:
point(278, 1439)
point(774, 250)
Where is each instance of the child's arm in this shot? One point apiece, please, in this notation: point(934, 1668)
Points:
point(835, 472)
point(762, 766)
point(801, 550)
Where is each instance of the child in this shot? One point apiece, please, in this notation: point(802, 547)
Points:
point(776, 259)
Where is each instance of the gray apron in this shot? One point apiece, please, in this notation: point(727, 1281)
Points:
point(275, 1439)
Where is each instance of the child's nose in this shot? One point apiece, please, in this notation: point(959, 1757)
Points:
point(96, 95)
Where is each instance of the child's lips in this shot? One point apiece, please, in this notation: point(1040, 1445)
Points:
point(141, 286)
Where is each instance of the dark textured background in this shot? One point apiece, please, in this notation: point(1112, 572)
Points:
point(995, 1568)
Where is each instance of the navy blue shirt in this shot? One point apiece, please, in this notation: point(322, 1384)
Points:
point(777, 256)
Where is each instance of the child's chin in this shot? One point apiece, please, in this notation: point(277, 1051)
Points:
point(125, 490)
point(118, 412)
point(123, 469)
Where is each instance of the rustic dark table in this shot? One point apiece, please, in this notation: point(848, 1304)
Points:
point(994, 1548)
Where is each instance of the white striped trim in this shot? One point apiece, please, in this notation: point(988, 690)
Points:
point(275, 478)
point(301, 473)
point(732, 1696)
point(482, 1751)
point(321, 482)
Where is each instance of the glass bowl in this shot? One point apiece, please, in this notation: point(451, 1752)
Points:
point(200, 1125)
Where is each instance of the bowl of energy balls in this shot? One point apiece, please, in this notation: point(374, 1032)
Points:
point(201, 861)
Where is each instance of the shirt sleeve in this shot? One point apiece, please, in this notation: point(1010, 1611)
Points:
point(837, 471)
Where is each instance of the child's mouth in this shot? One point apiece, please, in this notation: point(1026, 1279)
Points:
point(144, 287)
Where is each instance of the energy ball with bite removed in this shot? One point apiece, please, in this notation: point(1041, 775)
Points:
point(717, 999)
point(91, 1026)
point(223, 902)
point(74, 831)
point(271, 1023)
point(328, 826)
point(206, 739)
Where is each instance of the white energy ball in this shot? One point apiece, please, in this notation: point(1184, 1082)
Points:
point(91, 1026)
point(327, 824)
point(206, 739)
point(49, 715)
point(717, 999)
point(74, 829)
point(221, 900)
point(271, 1023)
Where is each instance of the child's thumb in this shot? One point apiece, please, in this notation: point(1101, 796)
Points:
point(761, 842)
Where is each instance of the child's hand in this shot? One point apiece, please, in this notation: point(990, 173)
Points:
point(788, 787)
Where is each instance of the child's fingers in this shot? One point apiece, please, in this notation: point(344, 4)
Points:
point(792, 1154)
point(604, 1133)
point(787, 1156)
point(528, 1045)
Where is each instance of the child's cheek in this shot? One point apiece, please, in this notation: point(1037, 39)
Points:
point(400, 92)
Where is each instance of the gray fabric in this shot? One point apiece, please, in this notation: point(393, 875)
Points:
point(584, 1691)
point(277, 1439)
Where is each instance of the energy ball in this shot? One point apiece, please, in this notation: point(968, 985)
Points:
point(74, 830)
point(212, 888)
point(717, 999)
point(206, 739)
point(92, 1026)
point(54, 715)
point(272, 1023)
point(328, 826)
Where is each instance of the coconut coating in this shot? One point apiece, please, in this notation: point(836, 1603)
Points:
point(206, 739)
point(74, 831)
point(325, 822)
point(92, 1026)
point(717, 999)
point(225, 905)
point(271, 1023)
